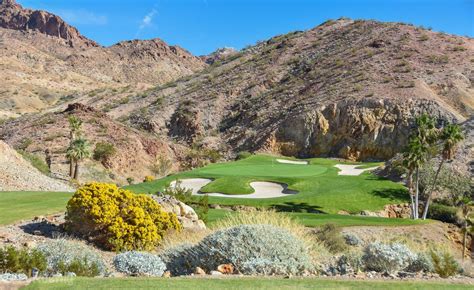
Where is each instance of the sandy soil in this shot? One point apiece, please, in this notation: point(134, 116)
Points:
point(262, 189)
point(351, 169)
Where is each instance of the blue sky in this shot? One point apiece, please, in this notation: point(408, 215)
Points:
point(201, 26)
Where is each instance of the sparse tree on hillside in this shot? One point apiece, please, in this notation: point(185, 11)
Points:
point(75, 126)
point(450, 137)
point(78, 151)
point(162, 166)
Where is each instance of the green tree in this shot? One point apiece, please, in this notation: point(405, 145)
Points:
point(77, 152)
point(75, 126)
point(450, 137)
point(418, 151)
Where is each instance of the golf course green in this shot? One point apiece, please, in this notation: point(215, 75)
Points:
point(319, 187)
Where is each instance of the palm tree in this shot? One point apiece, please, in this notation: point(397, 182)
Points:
point(78, 151)
point(450, 137)
point(467, 206)
point(414, 158)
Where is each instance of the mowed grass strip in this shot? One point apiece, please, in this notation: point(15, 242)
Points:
point(20, 205)
point(317, 220)
point(319, 185)
point(235, 283)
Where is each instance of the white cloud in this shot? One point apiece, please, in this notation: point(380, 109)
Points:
point(81, 17)
point(148, 19)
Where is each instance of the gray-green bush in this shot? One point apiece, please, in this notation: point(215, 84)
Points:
point(138, 264)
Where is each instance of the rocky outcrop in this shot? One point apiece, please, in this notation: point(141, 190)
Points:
point(13, 16)
point(219, 55)
point(186, 214)
point(356, 130)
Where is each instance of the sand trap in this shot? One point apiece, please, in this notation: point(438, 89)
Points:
point(352, 170)
point(262, 189)
point(292, 162)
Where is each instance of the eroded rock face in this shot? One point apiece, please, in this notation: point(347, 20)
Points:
point(356, 130)
point(13, 16)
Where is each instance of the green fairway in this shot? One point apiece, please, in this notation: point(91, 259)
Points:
point(19, 205)
point(320, 187)
point(316, 220)
point(234, 283)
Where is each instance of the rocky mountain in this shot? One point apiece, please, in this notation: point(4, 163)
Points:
point(13, 16)
point(17, 174)
point(219, 55)
point(347, 88)
point(44, 61)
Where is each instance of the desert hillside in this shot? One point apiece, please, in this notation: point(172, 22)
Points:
point(17, 174)
point(44, 60)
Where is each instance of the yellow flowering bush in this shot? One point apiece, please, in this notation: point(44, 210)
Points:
point(117, 219)
point(148, 178)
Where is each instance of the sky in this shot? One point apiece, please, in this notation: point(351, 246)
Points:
point(202, 26)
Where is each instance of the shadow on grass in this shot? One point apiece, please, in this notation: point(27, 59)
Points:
point(392, 194)
point(297, 207)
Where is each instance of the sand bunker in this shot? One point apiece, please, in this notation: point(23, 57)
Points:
point(262, 189)
point(292, 162)
point(352, 170)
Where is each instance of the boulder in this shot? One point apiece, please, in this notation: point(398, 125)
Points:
point(226, 268)
point(185, 214)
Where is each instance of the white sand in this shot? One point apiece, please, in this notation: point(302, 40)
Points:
point(352, 170)
point(292, 162)
point(262, 189)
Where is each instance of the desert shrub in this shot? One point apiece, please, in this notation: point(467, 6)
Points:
point(137, 264)
point(444, 213)
point(352, 240)
point(181, 259)
point(14, 260)
point(421, 263)
point(254, 250)
point(130, 180)
point(103, 151)
point(64, 256)
point(162, 166)
point(35, 160)
point(444, 263)
point(331, 237)
point(148, 178)
point(243, 154)
point(349, 261)
point(387, 258)
point(118, 219)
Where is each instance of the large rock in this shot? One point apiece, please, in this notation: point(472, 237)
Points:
point(186, 214)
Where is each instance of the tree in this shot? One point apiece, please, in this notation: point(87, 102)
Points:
point(450, 137)
point(78, 151)
point(416, 154)
point(467, 207)
point(75, 126)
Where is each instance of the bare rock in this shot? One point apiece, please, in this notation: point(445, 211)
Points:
point(199, 271)
point(226, 268)
point(216, 273)
point(185, 214)
point(166, 274)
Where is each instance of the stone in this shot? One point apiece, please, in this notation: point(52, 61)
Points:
point(199, 271)
point(166, 274)
point(216, 273)
point(226, 268)
point(185, 214)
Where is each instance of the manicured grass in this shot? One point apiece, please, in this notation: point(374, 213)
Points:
point(234, 283)
point(316, 220)
point(19, 205)
point(320, 187)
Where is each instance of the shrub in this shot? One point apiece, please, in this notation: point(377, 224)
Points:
point(444, 263)
point(444, 213)
point(349, 261)
point(36, 161)
point(68, 256)
point(181, 260)
point(243, 154)
point(255, 249)
point(162, 166)
point(130, 180)
point(118, 219)
point(387, 258)
point(421, 263)
point(103, 151)
point(14, 260)
point(137, 264)
point(352, 240)
point(148, 178)
point(331, 237)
